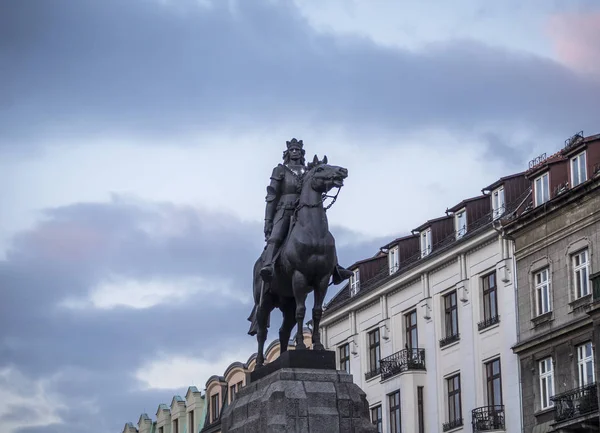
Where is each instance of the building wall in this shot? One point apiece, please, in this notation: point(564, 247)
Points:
point(423, 290)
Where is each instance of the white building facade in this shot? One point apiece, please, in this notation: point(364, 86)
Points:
point(426, 326)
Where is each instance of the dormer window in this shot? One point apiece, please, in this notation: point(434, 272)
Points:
point(426, 242)
point(498, 203)
point(393, 260)
point(355, 283)
point(460, 219)
point(578, 169)
point(542, 189)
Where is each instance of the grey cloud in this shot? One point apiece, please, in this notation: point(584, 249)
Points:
point(144, 68)
point(97, 351)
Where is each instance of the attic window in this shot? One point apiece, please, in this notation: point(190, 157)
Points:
point(460, 219)
point(578, 169)
point(498, 203)
point(542, 189)
point(425, 242)
point(393, 260)
point(355, 283)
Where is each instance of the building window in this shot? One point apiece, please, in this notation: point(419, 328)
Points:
point(232, 392)
point(192, 427)
point(494, 382)
point(240, 385)
point(420, 409)
point(355, 283)
point(542, 189)
point(344, 352)
point(393, 260)
point(175, 426)
point(451, 315)
point(498, 203)
point(542, 292)
point(454, 403)
point(374, 352)
point(426, 242)
point(580, 277)
point(161, 430)
point(461, 223)
point(394, 401)
point(412, 335)
point(546, 383)
point(585, 364)
point(377, 418)
point(214, 407)
point(578, 169)
point(490, 300)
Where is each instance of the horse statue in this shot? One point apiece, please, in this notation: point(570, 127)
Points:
point(305, 264)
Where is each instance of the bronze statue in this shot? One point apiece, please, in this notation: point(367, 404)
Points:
point(300, 255)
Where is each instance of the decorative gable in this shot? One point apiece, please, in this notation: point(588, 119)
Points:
point(145, 424)
point(163, 419)
point(130, 428)
point(177, 406)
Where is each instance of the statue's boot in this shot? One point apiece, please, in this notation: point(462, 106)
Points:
point(266, 272)
point(340, 274)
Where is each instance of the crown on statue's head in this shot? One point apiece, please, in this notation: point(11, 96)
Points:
point(294, 143)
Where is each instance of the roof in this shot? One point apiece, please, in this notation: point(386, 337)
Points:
point(428, 223)
point(462, 204)
point(192, 389)
point(501, 181)
point(398, 240)
point(360, 262)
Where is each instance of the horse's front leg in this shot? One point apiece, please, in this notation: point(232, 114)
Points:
point(317, 313)
point(300, 289)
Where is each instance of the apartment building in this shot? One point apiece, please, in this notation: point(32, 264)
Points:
point(426, 325)
point(556, 236)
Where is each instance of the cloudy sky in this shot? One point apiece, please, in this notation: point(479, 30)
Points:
point(137, 138)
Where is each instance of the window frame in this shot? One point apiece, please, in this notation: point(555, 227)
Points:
point(489, 291)
point(576, 162)
point(539, 288)
point(450, 310)
point(582, 362)
point(426, 243)
point(490, 382)
point(545, 188)
point(393, 259)
point(344, 359)
point(374, 349)
point(546, 382)
point(498, 202)
point(458, 216)
point(355, 282)
point(176, 425)
point(378, 422)
point(451, 393)
point(395, 412)
point(581, 279)
point(191, 420)
point(214, 410)
point(421, 408)
point(409, 327)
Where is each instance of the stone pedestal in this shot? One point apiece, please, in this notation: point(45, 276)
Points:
point(291, 398)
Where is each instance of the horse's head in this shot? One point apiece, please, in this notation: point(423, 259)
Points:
point(323, 177)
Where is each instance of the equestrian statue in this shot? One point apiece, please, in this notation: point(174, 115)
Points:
point(300, 255)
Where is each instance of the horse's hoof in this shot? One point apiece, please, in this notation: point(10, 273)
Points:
point(300, 346)
point(318, 346)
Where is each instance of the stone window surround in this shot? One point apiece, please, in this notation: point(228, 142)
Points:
point(536, 266)
point(480, 282)
point(573, 248)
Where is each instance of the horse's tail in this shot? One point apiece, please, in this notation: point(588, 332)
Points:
point(256, 280)
point(254, 322)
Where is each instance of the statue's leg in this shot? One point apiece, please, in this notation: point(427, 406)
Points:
point(301, 289)
point(288, 308)
point(262, 314)
point(317, 313)
point(280, 228)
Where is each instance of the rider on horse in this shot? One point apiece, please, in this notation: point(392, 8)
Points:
point(282, 199)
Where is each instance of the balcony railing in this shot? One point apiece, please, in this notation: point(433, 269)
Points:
point(371, 374)
point(488, 322)
point(452, 424)
point(449, 339)
point(406, 359)
point(488, 418)
point(575, 403)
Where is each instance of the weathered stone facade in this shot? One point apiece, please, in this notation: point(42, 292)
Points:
point(556, 338)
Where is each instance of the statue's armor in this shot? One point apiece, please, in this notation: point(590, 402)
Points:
point(282, 199)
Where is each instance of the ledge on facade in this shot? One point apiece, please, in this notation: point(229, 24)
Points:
point(450, 425)
point(449, 339)
point(488, 418)
point(542, 318)
point(582, 303)
point(490, 321)
point(575, 403)
point(404, 360)
point(371, 374)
